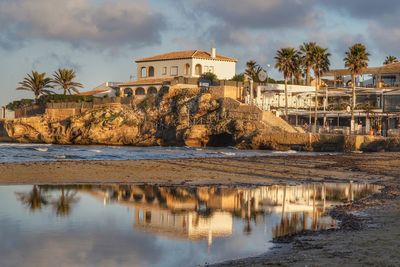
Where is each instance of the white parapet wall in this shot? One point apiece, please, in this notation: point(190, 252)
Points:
point(6, 114)
point(272, 96)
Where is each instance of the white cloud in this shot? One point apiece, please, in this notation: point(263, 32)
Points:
point(81, 22)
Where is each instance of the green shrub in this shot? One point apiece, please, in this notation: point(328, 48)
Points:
point(19, 104)
point(64, 98)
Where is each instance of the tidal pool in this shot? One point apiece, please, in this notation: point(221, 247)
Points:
point(145, 225)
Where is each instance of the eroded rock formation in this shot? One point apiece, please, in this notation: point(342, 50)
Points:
point(182, 117)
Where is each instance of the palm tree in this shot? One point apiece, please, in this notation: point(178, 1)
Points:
point(390, 60)
point(286, 60)
point(306, 55)
point(298, 71)
point(34, 199)
point(252, 69)
point(356, 60)
point(38, 83)
point(321, 65)
point(64, 78)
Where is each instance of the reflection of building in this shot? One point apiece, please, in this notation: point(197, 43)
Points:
point(207, 212)
point(187, 225)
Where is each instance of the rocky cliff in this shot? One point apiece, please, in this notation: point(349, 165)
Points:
point(181, 117)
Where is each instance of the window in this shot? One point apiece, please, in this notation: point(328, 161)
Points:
point(198, 69)
point(151, 71)
point(174, 71)
point(187, 69)
point(164, 71)
point(210, 69)
point(143, 72)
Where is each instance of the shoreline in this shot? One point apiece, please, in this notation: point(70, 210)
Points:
point(258, 170)
point(371, 230)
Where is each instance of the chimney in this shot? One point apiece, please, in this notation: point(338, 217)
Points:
point(213, 52)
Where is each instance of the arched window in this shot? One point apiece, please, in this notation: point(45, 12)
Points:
point(140, 91)
point(198, 69)
point(143, 72)
point(151, 71)
point(187, 69)
point(128, 92)
point(152, 91)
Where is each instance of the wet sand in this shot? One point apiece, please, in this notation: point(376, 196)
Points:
point(370, 233)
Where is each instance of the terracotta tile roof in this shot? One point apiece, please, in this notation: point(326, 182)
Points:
point(147, 82)
point(199, 54)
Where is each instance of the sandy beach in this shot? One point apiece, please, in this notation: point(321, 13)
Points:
point(370, 228)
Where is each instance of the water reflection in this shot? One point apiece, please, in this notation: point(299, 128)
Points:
point(208, 212)
point(41, 196)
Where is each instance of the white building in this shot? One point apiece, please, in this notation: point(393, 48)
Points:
point(272, 97)
point(155, 71)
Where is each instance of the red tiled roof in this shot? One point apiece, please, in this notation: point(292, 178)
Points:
point(199, 54)
point(147, 82)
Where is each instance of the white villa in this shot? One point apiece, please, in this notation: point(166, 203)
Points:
point(156, 71)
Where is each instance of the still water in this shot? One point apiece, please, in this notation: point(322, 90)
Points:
point(145, 225)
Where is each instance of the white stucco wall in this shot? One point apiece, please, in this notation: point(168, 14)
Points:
point(223, 69)
point(159, 65)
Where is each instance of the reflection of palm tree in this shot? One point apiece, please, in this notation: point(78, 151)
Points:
point(63, 204)
point(34, 199)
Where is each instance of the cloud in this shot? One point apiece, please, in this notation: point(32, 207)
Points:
point(260, 14)
point(386, 38)
point(56, 62)
point(81, 22)
point(365, 9)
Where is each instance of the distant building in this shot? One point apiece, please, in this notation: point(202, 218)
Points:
point(6, 114)
point(157, 71)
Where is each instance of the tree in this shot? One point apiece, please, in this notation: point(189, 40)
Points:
point(37, 83)
point(298, 71)
point(286, 60)
point(320, 65)
point(252, 70)
point(209, 76)
point(356, 60)
point(64, 79)
point(238, 77)
point(390, 60)
point(306, 55)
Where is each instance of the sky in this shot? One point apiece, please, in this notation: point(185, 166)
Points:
point(101, 38)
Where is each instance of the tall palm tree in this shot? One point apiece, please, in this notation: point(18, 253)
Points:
point(390, 60)
point(306, 55)
point(38, 83)
point(356, 60)
point(298, 71)
point(285, 61)
point(252, 69)
point(64, 78)
point(321, 65)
